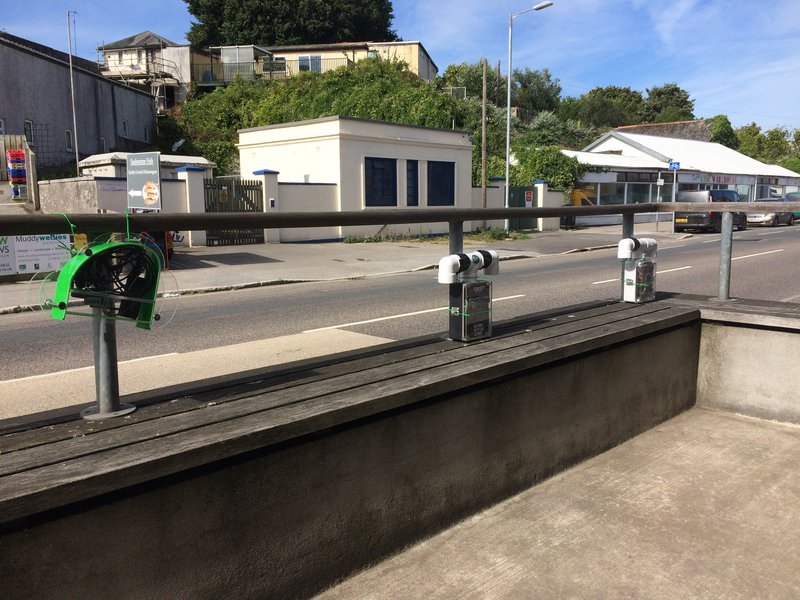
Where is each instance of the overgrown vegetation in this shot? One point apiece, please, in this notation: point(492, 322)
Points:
point(387, 91)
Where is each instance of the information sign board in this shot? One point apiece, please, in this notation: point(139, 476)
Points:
point(144, 180)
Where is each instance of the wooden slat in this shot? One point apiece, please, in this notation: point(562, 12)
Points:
point(242, 385)
point(541, 342)
point(46, 487)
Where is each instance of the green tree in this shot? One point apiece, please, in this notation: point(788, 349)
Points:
point(548, 163)
point(547, 129)
point(535, 91)
point(470, 76)
point(609, 106)
point(284, 22)
point(722, 132)
point(371, 89)
point(751, 140)
point(667, 103)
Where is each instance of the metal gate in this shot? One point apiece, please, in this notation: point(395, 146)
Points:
point(233, 195)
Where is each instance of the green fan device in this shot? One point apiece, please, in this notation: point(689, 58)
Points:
point(117, 279)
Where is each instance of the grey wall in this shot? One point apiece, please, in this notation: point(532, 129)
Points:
point(37, 87)
point(288, 520)
point(751, 371)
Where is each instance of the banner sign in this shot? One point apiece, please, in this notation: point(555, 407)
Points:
point(33, 253)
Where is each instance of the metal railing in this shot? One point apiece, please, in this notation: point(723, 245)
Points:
point(221, 73)
point(455, 217)
point(108, 402)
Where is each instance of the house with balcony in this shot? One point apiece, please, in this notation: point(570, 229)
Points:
point(226, 63)
point(153, 64)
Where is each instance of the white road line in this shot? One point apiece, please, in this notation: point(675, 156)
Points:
point(791, 298)
point(759, 254)
point(657, 273)
point(770, 232)
point(411, 314)
point(54, 373)
point(714, 241)
point(671, 247)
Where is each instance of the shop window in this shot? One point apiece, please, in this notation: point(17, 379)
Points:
point(612, 193)
point(441, 183)
point(380, 181)
point(412, 183)
point(68, 139)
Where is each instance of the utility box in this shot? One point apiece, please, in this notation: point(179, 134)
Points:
point(470, 316)
point(470, 310)
point(639, 269)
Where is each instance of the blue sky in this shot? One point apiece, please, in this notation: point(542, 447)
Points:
point(736, 57)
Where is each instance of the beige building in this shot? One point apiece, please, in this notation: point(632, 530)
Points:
point(226, 63)
point(355, 164)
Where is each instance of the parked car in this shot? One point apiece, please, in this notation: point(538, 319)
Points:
point(794, 197)
point(707, 220)
point(771, 218)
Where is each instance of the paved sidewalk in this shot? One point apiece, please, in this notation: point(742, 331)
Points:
point(206, 269)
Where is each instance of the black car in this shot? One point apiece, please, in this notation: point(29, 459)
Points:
point(707, 220)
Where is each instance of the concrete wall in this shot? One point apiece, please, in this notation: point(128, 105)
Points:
point(288, 520)
point(307, 198)
point(730, 378)
point(78, 195)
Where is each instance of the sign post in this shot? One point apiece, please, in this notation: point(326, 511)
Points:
point(674, 166)
point(144, 180)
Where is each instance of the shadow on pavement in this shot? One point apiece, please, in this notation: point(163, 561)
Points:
point(185, 261)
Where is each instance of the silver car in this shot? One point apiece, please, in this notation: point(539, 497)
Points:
point(771, 218)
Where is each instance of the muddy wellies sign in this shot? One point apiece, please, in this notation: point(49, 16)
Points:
point(22, 254)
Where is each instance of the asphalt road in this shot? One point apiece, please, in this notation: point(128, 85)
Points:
point(766, 267)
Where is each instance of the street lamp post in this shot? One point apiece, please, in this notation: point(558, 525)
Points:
point(511, 18)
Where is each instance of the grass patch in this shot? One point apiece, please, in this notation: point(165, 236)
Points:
point(492, 234)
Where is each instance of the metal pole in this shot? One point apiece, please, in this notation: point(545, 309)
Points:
point(725, 252)
point(72, 91)
point(508, 116)
point(456, 237)
point(627, 232)
point(106, 373)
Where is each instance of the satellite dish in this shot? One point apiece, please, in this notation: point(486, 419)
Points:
point(178, 144)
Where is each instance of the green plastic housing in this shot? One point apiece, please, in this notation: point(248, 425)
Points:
point(135, 302)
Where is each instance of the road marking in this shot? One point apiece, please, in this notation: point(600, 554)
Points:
point(76, 369)
point(411, 314)
point(791, 298)
point(770, 232)
point(714, 241)
point(671, 247)
point(759, 254)
point(657, 273)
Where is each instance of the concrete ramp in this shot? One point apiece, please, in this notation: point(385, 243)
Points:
point(705, 505)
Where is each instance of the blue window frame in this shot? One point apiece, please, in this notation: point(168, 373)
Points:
point(380, 181)
point(441, 183)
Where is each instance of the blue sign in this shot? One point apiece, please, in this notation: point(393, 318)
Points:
point(675, 166)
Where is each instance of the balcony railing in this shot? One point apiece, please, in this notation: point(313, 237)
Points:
point(222, 73)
